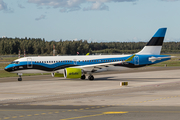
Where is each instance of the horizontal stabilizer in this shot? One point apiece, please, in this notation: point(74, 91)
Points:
point(153, 59)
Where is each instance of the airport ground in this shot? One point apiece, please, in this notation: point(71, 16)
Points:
point(152, 93)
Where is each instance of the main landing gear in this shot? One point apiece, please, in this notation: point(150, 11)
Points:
point(83, 77)
point(90, 77)
point(20, 78)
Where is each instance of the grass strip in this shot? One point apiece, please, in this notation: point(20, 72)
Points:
point(3, 73)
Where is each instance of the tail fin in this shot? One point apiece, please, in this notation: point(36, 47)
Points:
point(155, 44)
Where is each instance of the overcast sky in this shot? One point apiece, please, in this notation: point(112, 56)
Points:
point(92, 20)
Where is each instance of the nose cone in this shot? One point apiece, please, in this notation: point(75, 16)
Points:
point(8, 68)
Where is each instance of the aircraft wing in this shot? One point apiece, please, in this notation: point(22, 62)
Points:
point(95, 67)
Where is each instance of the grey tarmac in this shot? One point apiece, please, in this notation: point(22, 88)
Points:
point(152, 93)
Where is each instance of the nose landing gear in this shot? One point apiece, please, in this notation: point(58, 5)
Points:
point(20, 78)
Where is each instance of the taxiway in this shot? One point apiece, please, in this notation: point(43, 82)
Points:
point(151, 94)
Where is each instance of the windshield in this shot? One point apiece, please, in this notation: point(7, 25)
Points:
point(15, 62)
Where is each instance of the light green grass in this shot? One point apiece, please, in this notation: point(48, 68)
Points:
point(3, 73)
point(3, 65)
point(7, 59)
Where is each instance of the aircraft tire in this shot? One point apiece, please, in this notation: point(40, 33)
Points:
point(83, 77)
point(19, 79)
point(91, 77)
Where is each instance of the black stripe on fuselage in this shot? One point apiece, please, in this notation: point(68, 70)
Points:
point(155, 41)
point(38, 67)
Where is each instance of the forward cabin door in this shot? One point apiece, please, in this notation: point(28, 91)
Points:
point(29, 63)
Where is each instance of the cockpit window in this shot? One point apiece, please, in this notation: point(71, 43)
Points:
point(15, 62)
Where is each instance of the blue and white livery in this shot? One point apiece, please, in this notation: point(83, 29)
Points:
point(79, 66)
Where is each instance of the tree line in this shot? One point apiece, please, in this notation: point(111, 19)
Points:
point(40, 46)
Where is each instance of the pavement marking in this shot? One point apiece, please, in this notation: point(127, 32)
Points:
point(82, 117)
point(36, 114)
point(43, 113)
point(14, 117)
point(115, 112)
point(6, 118)
point(88, 108)
point(104, 113)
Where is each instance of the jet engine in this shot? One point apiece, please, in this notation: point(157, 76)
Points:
point(72, 73)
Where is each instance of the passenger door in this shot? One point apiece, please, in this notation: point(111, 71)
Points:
point(29, 63)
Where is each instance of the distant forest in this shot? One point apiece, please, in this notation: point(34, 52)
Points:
point(39, 46)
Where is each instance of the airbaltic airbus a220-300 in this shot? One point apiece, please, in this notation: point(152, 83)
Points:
point(79, 66)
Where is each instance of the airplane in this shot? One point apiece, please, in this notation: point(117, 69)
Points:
point(82, 65)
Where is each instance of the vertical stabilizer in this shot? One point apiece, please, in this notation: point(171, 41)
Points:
point(155, 44)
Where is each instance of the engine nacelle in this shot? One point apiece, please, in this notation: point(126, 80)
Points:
point(72, 73)
point(57, 74)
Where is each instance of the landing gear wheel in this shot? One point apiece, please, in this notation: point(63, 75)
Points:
point(19, 79)
point(83, 77)
point(91, 77)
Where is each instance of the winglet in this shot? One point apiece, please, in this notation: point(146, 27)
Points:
point(130, 58)
point(87, 54)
